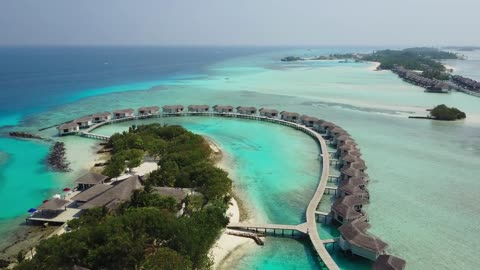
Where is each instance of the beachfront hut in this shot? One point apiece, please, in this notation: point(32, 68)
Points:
point(223, 108)
point(290, 116)
point(113, 197)
point(84, 122)
point(247, 110)
point(119, 114)
point(89, 180)
point(389, 262)
point(198, 108)
point(348, 208)
point(148, 110)
point(308, 120)
point(351, 172)
point(101, 117)
point(270, 113)
point(68, 128)
point(355, 239)
point(172, 108)
point(90, 193)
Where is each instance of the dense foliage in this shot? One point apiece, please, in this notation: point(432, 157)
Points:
point(423, 59)
point(145, 233)
point(442, 112)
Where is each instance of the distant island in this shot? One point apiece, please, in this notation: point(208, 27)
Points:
point(442, 112)
point(463, 48)
point(353, 56)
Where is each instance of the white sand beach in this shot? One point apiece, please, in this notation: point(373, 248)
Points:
point(374, 66)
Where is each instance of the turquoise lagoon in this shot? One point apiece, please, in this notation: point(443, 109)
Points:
point(424, 174)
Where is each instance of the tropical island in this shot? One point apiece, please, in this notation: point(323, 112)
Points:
point(146, 232)
point(442, 112)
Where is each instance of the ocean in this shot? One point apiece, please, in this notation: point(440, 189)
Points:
point(423, 173)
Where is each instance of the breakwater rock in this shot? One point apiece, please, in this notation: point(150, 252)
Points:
point(21, 134)
point(56, 160)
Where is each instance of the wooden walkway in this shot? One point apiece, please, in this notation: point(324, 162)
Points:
point(310, 227)
point(301, 228)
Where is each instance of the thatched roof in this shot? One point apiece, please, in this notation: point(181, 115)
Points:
point(344, 206)
point(101, 114)
point(350, 158)
point(129, 110)
point(151, 108)
point(354, 153)
point(356, 165)
point(290, 114)
point(389, 262)
point(307, 118)
point(263, 110)
point(343, 138)
point(196, 107)
point(172, 107)
point(223, 107)
point(328, 125)
point(355, 233)
point(91, 193)
point(178, 193)
point(353, 172)
point(353, 189)
point(347, 147)
point(120, 192)
point(243, 108)
point(84, 119)
point(91, 178)
point(68, 125)
point(54, 205)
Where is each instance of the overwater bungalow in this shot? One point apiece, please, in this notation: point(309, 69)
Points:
point(389, 262)
point(89, 180)
point(172, 108)
point(101, 117)
point(223, 108)
point(355, 239)
point(113, 197)
point(353, 186)
point(345, 148)
point(290, 116)
point(142, 111)
point(348, 208)
point(317, 126)
point(247, 110)
point(346, 159)
point(351, 172)
point(68, 128)
point(356, 165)
point(325, 126)
point(84, 122)
point(119, 114)
point(198, 108)
point(308, 120)
point(270, 113)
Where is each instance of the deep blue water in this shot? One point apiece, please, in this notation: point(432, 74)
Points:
point(33, 79)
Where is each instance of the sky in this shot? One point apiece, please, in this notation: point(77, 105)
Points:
point(239, 22)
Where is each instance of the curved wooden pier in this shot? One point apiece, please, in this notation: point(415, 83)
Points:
point(310, 227)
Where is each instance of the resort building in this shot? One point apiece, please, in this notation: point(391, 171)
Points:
point(270, 113)
point(179, 194)
point(68, 128)
point(148, 110)
point(172, 108)
point(317, 126)
point(247, 110)
point(356, 165)
point(198, 108)
point(308, 120)
point(344, 139)
point(355, 239)
point(389, 262)
point(223, 108)
point(116, 195)
point(101, 117)
point(336, 132)
point(325, 126)
point(348, 208)
point(290, 116)
point(346, 159)
point(353, 186)
point(90, 193)
point(84, 122)
point(119, 114)
point(89, 180)
point(351, 172)
point(54, 211)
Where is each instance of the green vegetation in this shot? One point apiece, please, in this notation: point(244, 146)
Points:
point(291, 59)
point(423, 59)
point(442, 112)
point(145, 233)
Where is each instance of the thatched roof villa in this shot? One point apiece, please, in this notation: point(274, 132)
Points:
point(223, 108)
point(198, 108)
point(246, 110)
point(308, 121)
point(101, 117)
point(389, 262)
point(68, 128)
point(355, 239)
point(172, 108)
point(290, 116)
point(148, 110)
point(348, 208)
point(89, 180)
point(124, 113)
point(270, 113)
